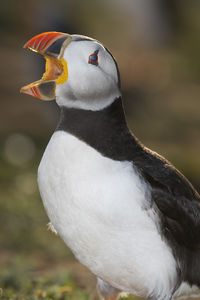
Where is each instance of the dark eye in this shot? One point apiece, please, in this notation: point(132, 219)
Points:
point(93, 58)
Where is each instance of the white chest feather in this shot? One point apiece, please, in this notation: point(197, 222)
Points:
point(100, 207)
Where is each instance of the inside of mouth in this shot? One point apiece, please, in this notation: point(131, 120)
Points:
point(53, 68)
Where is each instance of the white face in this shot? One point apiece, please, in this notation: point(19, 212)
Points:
point(89, 86)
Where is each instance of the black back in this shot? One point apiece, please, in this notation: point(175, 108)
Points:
point(177, 201)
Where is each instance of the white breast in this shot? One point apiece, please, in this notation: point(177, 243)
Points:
point(100, 208)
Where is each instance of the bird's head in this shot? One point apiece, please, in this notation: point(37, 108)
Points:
point(80, 71)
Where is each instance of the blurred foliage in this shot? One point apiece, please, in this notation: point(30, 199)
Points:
point(21, 282)
point(22, 214)
point(16, 285)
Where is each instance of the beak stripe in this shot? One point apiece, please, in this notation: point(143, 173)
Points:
point(35, 92)
point(42, 41)
point(43, 44)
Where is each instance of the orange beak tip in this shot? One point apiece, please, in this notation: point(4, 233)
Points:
point(43, 41)
point(31, 91)
point(22, 90)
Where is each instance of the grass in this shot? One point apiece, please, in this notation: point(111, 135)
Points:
point(22, 281)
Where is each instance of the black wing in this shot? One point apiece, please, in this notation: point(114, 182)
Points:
point(178, 206)
point(175, 197)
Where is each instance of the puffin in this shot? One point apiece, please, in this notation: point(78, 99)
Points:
point(126, 213)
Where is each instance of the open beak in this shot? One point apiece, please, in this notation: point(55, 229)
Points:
point(51, 45)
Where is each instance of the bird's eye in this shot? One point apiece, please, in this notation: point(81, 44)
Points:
point(93, 58)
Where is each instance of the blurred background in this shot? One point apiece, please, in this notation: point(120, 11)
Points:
point(157, 47)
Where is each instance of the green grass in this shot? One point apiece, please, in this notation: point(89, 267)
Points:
point(22, 279)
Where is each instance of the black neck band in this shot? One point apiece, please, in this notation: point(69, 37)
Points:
point(105, 130)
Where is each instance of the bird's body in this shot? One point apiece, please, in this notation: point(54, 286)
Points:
point(102, 210)
point(124, 211)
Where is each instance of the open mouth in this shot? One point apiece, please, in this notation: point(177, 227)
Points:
point(51, 45)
